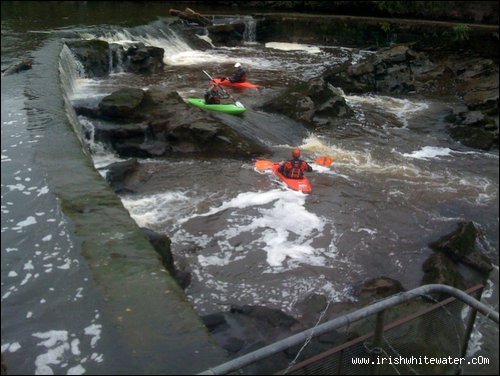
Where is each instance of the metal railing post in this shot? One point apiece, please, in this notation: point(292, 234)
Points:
point(471, 319)
point(375, 349)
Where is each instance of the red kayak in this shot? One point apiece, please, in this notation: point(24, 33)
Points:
point(243, 85)
point(296, 184)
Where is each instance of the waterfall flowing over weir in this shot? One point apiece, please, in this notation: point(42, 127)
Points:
point(250, 30)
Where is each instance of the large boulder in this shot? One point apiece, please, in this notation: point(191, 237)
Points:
point(391, 70)
point(315, 103)
point(118, 172)
point(440, 269)
point(93, 55)
point(99, 58)
point(465, 245)
point(122, 104)
point(143, 59)
point(157, 122)
point(227, 34)
point(247, 328)
point(380, 287)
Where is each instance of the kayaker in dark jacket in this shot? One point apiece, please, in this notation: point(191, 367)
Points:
point(295, 168)
point(240, 75)
point(214, 94)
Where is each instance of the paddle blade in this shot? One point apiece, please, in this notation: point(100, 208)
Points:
point(324, 161)
point(239, 104)
point(207, 75)
point(263, 164)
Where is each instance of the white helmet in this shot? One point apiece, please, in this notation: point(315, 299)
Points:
point(237, 65)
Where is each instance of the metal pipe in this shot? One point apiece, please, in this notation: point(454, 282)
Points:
point(326, 327)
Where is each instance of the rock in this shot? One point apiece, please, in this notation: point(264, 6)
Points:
point(93, 55)
point(118, 172)
point(312, 306)
point(439, 269)
point(112, 134)
point(380, 287)
point(474, 137)
point(167, 126)
point(273, 317)
point(315, 102)
point(161, 244)
point(247, 328)
point(486, 100)
point(122, 103)
point(390, 70)
point(474, 118)
point(144, 59)
point(227, 34)
point(464, 245)
point(215, 321)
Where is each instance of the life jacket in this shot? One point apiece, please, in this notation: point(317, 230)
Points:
point(239, 76)
point(293, 169)
point(212, 96)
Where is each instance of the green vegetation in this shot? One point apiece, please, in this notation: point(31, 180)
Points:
point(386, 27)
point(392, 7)
point(459, 32)
point(415, 7)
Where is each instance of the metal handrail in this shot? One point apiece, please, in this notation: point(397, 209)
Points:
point(347, 319)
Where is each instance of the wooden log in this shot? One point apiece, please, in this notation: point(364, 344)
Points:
point(191, 16)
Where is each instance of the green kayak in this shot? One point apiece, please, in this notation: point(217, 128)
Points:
point(227, 108)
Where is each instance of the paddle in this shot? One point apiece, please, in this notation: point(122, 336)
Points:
point(262, 164)
point(238, 104)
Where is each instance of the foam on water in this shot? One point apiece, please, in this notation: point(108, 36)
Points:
point(155, 210)
point(429, 152)
point(401, 108)
point(293, 47)
point(276, 222)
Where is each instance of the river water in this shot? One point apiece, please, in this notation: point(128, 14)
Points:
point(398, 182)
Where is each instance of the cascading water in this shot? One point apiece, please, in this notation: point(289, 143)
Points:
point(250, 30)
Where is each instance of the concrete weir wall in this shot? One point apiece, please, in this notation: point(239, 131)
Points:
point(155, 329)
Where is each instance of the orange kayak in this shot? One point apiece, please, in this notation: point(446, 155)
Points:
point(296, 184)
point(243, 85)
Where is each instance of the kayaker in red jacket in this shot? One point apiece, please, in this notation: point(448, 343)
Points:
point(295, 168)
